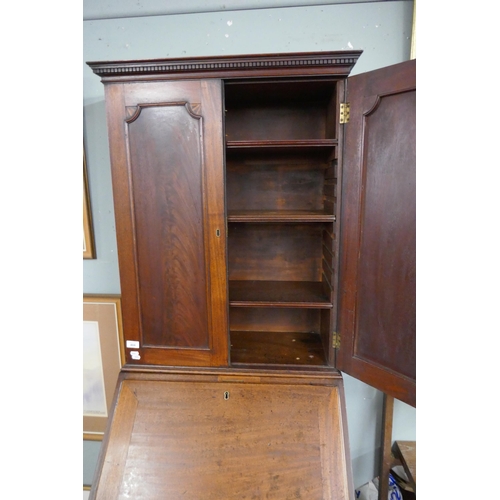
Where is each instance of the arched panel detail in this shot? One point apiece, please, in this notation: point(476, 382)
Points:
point(133, 112)
point(378, 100)
point(375, 105)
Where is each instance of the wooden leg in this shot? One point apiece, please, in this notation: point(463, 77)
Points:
point(386, 459)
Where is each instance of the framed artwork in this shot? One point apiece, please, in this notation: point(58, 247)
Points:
point(88, 236)
point(103, 356)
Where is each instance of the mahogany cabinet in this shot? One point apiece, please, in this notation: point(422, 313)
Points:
point(265, 217)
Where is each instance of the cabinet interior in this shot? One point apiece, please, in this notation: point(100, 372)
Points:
point(281, 147)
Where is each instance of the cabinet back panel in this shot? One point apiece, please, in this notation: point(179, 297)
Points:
point(274, 320)
point(276, 123)
point(274, 185)
point(275, 252)
point(166, 163)
point(286, 110)
point(252, 93)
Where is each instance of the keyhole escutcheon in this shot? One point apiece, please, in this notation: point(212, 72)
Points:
point(226, 395)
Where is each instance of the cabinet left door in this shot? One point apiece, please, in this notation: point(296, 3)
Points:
point(166, 146)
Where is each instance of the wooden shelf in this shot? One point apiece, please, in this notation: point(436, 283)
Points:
point(277, 348)
point(306, 294)
point(307, 145)
point(280, 216)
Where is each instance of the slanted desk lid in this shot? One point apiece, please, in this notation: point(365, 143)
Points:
point(226, 435)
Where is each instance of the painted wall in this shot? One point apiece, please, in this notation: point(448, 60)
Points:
point(381, 29)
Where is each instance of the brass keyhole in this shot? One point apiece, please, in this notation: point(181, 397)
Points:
point(226, 395)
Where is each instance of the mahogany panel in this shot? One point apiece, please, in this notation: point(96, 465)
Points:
point(386, 298)
point(377, 310)
point(166, 163)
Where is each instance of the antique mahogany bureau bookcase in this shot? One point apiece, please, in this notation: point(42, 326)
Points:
point(265, 217)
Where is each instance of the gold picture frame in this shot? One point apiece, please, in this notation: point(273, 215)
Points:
point(88, 234)
point(103, 357)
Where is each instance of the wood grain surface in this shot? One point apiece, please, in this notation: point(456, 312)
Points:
point(231, 439)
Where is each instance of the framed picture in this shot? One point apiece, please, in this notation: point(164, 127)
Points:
point(88, 236)
point(103, 356)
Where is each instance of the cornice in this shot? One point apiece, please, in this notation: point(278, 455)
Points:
point(341, 60)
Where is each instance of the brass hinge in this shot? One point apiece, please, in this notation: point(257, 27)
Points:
point(345, 109)
point(336, 340)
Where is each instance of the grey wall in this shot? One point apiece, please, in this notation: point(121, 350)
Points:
point(96, 9)
point(381, 29)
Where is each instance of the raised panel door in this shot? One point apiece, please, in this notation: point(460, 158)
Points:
point(167, 163)
point(377, 319)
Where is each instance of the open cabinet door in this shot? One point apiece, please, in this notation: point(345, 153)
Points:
point(377, 278)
